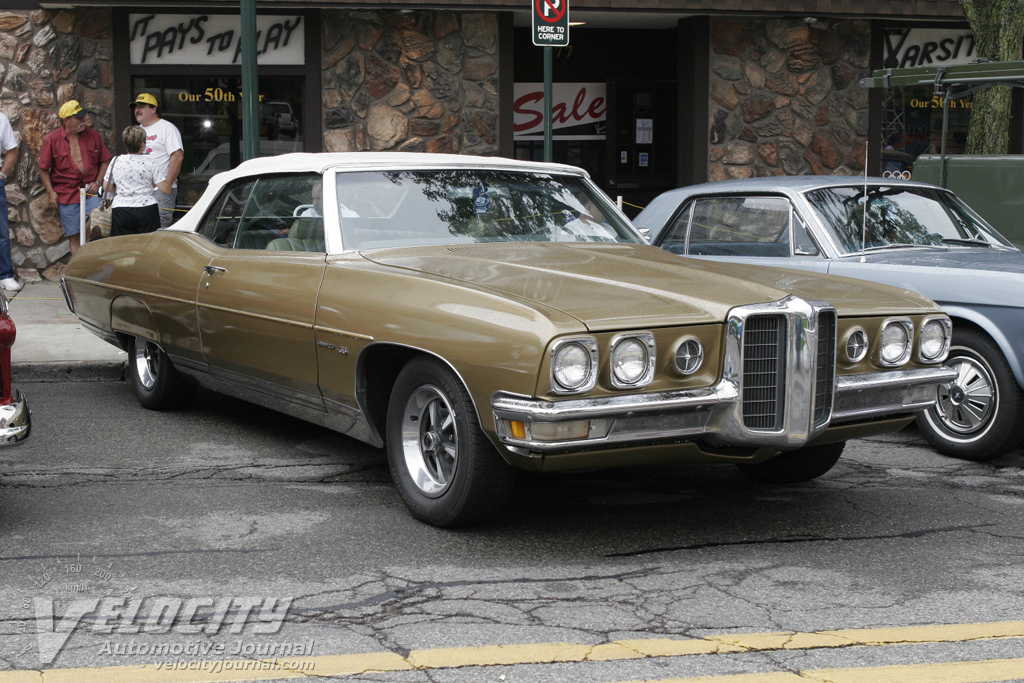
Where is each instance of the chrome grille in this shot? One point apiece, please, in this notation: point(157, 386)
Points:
point(764, 371)
point(824, 384)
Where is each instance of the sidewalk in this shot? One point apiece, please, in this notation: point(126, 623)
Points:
point(52, 346)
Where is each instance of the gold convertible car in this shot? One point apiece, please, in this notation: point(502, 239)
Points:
point(478, 315)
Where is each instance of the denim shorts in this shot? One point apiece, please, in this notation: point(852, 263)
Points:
point(69, 214)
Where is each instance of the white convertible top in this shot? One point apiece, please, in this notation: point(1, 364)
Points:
point(320, 162)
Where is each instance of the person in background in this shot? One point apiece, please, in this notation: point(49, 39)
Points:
point(163, 143)
point(73, 157)
point(131, 178)
point(9, 154)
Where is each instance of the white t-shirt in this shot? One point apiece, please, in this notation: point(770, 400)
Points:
point(7, 139)
point(135, 175)
point(162, 140)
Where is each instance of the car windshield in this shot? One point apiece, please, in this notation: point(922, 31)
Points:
point(411, 208)
point(898, 217)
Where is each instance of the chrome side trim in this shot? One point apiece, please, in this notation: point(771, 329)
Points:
point(190, 302)
point(258, 316)
point(130, 290)
point(337, 417)
point(342, 333)
point(308, 400)
point(15, 420)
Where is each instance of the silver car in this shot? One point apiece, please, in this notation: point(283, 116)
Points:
point(912, 235)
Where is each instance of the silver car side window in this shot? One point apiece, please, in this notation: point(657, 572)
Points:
point(284, 213)
point(220, 224)
point(740, 226)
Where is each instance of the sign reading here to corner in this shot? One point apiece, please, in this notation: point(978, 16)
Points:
point(550, 23)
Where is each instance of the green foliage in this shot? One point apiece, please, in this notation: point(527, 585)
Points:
point(998, 27)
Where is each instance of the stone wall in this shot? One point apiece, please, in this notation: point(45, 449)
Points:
point(421, 81)
point(786, 99)
point(46, 59)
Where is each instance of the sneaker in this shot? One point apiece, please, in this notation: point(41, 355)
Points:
point(10, 284)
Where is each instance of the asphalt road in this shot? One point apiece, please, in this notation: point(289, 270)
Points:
point(207, 521)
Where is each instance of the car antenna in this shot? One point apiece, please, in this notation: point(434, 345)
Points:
point(864, 211)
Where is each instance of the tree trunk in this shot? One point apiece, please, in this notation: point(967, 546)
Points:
point(998, 27)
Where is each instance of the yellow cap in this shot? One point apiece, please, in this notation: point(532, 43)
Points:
point(69, 108)
point(144, 98)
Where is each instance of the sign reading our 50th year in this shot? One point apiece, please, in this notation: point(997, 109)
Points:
point(550, 23)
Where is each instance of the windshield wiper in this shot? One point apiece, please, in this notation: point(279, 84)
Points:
point(895, 245)
point(976, 241)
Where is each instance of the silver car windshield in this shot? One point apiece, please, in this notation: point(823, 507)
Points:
point(899, 217)
point(410, 208)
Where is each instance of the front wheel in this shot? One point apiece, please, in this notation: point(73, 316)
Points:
point(980, 414)
point(156, 383)
point(446, 471)
point(793, 467)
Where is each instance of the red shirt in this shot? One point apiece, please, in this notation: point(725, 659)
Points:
point(64, 174)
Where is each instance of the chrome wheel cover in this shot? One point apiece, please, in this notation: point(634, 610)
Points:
point(145, 362)
point(430, 440)
point(967, 405)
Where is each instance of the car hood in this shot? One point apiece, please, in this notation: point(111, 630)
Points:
point(960, 258)
point(612, 286)
point(952, 277)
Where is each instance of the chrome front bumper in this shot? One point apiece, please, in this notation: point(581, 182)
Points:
point(15, 420)
point(806, 395)
point(708, 413)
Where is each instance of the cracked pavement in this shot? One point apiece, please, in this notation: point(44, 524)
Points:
point(226, 499)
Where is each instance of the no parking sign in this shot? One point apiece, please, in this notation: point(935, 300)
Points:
point(550, 23)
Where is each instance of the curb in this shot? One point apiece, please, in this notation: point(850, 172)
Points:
point(69, 371)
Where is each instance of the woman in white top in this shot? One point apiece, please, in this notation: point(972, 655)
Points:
point(131, 177)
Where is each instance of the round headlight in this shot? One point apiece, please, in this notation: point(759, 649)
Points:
point(689, 356)
point(630, 361)
point(857, 346)
point(895, 343)
point(934, 340)
point(572, 366)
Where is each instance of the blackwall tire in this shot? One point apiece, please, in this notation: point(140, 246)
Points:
point(980, 415)
point(445, 469)
point(157, 385)
point(796, 466)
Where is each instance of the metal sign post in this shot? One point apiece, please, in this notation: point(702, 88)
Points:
point(250, 83)
point(550, 29)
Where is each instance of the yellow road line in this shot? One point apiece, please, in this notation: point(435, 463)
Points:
point(547, 653)
point(983, 671)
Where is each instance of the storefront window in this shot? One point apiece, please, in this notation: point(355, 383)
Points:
point(208, 112)
point(912, 126)
point(912, 117)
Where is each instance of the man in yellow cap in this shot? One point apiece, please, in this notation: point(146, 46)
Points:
point(163, 143)
point(73, 157)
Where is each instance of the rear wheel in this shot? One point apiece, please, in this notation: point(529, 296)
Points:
point(446, 471)
point(980, 414)
point(156, 383)
point(803, 464)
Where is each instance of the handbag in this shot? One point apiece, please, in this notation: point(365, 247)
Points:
point(100, 217)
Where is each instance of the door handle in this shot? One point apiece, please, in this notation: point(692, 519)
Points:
point(211, 270)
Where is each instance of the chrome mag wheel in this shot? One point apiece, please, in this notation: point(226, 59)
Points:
point(146, 362)
point(430, 440)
